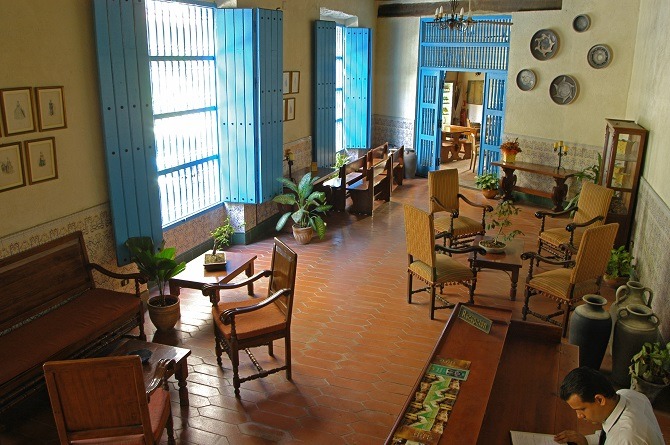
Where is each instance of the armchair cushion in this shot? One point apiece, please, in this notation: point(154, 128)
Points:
point(557, 237)
point(557, 283)
point(251, 324)
point(448, 270)
point(159, 411)
point(462, 225)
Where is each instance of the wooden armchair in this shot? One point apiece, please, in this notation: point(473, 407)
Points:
point(250, 323)
point(104, 400)
point(443, 189)
point(435, 270)
point(567, 285)
point(591, 210)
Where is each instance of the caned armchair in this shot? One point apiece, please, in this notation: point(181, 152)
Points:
point(443, 189)
point(591, 210)
point(434, 270)
point(578, 277)
point(104, 400)
point(241, 325)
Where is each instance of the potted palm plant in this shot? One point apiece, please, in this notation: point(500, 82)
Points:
point(650, 369)
point(307, 205)
point(158, 266)
point(488, 183)
point(222, 236)
point(500, 219)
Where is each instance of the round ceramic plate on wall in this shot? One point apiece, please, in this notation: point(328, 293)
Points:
point(544, 44)
point(526, 80)
point(563, 89)
point(581, 23)
point(599, 56)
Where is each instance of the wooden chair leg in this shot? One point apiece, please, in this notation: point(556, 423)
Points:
point(566, 316)
point(170, 426)
point(524, 310)
point(235, 359)
point(432, 302)
point(271, 351)
point(217, 347)
point(409, 288)
point(287, 347)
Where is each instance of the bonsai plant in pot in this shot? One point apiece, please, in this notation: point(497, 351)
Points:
point(500, 220)
point(650, 369)
point(619, 267)
point(222, 236)
point(510, 149)
point(307, 207)
point(157, 265)
point(488, 183)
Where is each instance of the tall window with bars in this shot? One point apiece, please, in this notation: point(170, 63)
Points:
point(339, 88)
point(183, 88)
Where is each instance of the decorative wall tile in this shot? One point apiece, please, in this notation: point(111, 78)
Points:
point(302, 150)
point(397, 131)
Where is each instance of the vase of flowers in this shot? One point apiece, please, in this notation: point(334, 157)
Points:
point(509, 150)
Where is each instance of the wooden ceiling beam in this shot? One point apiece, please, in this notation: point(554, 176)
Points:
point(478, 6)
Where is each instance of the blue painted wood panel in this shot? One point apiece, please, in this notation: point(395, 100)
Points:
point(492, 120)
point(324, 93)
point(428, 120)
point(357, 87)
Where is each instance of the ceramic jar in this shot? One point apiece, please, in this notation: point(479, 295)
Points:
point(632, 292)
point(636, 324)
point(590, 328)
point(509, 157)
point(410, 164)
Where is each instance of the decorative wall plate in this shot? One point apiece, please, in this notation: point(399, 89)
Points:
point(581, 23)
point(526, 80)
point(544, 44)
point(599, 56)
point(563, 89)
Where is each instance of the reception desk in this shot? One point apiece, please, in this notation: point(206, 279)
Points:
point(515, 374)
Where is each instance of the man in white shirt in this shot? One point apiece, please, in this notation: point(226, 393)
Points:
point(626, 416)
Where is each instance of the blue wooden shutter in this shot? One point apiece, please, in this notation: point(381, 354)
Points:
point(357, 87)
point(127, 117)
point(324, 93)
point(429, 109)
point(249, 74)
point(492, 119)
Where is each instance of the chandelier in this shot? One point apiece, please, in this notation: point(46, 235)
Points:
point(457, 20)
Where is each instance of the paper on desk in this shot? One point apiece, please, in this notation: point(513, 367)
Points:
point(524, 438)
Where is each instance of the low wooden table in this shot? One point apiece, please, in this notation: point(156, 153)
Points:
point(508, 261)
point(557, 195)
point(159, 352)
point(196, 277)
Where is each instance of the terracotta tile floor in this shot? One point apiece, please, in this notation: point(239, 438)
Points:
point(358, 347)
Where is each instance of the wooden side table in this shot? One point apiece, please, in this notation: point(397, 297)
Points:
point(509, 261)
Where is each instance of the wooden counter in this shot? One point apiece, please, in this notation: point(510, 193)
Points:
point(515, 374)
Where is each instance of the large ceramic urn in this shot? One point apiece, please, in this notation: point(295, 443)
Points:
point(633, 292)
point(636, 324)
point(590, 327)
point(410, 164)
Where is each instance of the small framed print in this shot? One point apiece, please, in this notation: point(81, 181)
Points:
point(50, 108)
point(286, 82)
point(17, 110)
point(289, 109)
point(11, 167)
point(41, 160)
point(295, 81)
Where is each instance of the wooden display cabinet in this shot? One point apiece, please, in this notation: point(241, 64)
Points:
point(622, 165)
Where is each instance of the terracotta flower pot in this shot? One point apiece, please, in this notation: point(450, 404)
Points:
point(164, 317)
point(303, 235)
point(489, 193)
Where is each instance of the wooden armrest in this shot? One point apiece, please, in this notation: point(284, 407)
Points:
point(544, 213)
point(227, 315)
point(486, 207)
point(444, 249)
point(209, 289)
point(163, 368)
point(121, 276)
point(572, 226)
point(534, 256)
point(454, 213)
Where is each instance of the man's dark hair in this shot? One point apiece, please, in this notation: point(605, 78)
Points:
point(586, 383)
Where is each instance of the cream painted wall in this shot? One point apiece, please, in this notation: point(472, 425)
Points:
point(649, 95)
point(602, 92)
point(52, 44)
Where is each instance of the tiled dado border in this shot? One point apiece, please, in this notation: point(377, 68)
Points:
point(651, 243)
point(396, 131)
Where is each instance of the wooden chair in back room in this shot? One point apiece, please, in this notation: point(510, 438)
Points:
point(241, 325)
point(443, 189)
point(104, 400)
point(435, 270)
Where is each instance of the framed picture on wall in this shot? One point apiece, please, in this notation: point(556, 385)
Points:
point(17, 110)
point(50, 108)
point(289, 109)
point(295, 81)
point(41, 160)
point(286, 83)
point(11, 167)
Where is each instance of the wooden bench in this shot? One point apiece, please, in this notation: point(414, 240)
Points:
point(398, 164)
point(375, 185)
point(348, 174)
point(50, 309)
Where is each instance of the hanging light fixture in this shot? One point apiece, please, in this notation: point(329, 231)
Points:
point(457, 20)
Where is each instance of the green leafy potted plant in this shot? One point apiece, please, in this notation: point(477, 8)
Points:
point(307, 207)
point(619, 267)
point(500, 219)
point(488, 183)
point(650, 369)
point(157, 265)
point(222, 236)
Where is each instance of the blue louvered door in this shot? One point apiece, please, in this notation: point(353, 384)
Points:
point(428, 115)
point(324, 92)
point(357, 84)
point(492, 119)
